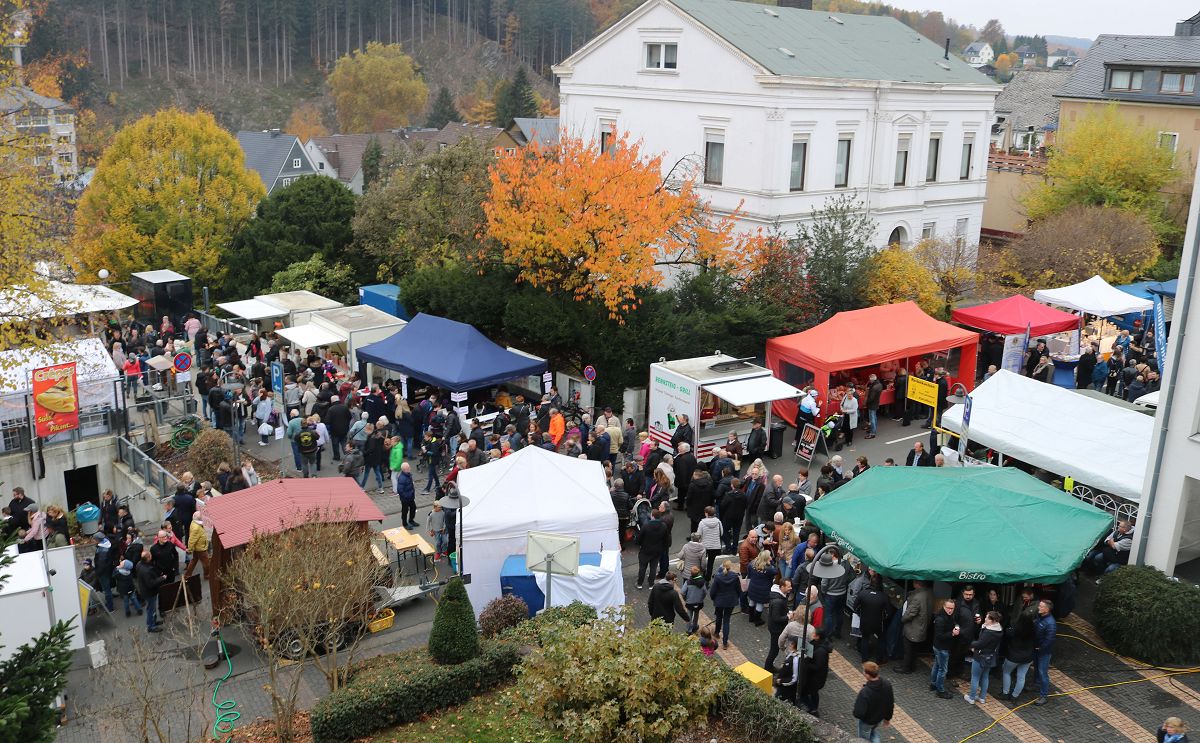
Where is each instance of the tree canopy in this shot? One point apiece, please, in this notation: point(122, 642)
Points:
point(895, 274)
point(333, 280)
point(602, 225)
point(376, 89)
point(515, 99)
point(443, 111)
point(837, 244)
point(1104, 159)
point(311, 216)
point(171, 191)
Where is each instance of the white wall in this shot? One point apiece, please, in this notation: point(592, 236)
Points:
point(1170, 520)
point(715, 90)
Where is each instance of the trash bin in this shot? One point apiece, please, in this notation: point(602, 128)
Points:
point(88, 516)
point(778, 431)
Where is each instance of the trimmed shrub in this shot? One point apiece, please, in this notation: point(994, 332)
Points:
point(361, 709)
point(614, 682)
point(758, 716)
point(531, 632)
point(1143, 614)
point(211, 447)
point(502, 613)
point(454, 637)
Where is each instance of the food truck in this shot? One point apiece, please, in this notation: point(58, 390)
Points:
point(718, 394)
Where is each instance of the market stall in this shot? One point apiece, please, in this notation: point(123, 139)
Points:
point(253, 313)
point(297, 306)
point(534, 490)
point(1013, 318)
point(345, 329)
point(980, 524)
point(1095, 297)
point(841, 352)
point(1103, 446)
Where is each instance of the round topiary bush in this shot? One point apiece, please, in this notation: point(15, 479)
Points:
point(211, 447)
point(454, 637)
point(1143, 614)
point(502, 613)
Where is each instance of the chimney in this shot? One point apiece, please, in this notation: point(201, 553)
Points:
point(947, 54)
point(801, 4)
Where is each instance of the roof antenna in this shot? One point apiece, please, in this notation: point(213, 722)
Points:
point(947, 55)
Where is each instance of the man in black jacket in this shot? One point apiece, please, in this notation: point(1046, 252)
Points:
point(874, 610)
point(148, 580)
point(684, 465)
point(756, 442)
point(519, 413)
point(654, 540)
point(635, 481)
point(164, 557)
point(337, 421)
point(683, 434)
point(874, 705)
point(945, 637)
point(700, 496)
point(918, 456)
point(665, 602)
point(622, 504)
point(874, 391)
point(969, 619)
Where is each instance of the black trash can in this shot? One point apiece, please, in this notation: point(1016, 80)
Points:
point(778, 431)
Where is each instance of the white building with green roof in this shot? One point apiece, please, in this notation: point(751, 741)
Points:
point(778, 108)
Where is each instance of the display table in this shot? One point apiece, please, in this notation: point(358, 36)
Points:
point(1064, 372)
point(410, 548)
point(517, 580)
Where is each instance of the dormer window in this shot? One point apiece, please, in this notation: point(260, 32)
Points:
point(1178, 83)
point(661, 56)
point(1125, 80)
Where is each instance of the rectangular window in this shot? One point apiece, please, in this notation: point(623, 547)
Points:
point(841, 173)
point(1178, 83)
point(902, 161)
point(1125, 80)
point(510, 150)
point(295, 162)
point(287, 182)
point(799, 160)
point(1168, 141)
point(928, 230)
point(605, 141)
point(320, 166)
point(661, 56)
point(714, 158)
point(968, 151)
point(960, 231)
point(931, 162)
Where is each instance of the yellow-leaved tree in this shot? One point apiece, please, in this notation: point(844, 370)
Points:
point(376, 89)
point(305, 122)
point(571, 219)
point(896, 274)
point(1106, 160)
point(170, 192)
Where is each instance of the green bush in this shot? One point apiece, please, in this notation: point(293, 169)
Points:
point(758, 716)
point(211, 447)
point(454, 637)
point(502, 613)
point(1143, 614)
point(363, 709)
point(531, 632)
point(615, 682)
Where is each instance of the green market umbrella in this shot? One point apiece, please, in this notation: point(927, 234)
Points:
point(986, 524)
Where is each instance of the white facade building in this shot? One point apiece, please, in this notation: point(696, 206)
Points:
point(778, 109)
point(1169, 531)
point(979, 53)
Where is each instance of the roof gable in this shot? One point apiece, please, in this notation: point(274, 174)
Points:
point(1029, 98)
point(266, 153)
point(1087, 76)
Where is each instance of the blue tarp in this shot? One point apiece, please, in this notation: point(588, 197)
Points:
point(1145, 290)
point(452, 355)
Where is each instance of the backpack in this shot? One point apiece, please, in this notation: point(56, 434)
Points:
point(500, 423)
point(307, 441)
point(783, 676)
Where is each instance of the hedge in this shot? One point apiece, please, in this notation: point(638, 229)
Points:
point(358, 711)
point(758, 716)
point(1143, 614)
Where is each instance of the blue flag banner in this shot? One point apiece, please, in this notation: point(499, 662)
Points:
point(1160, 335)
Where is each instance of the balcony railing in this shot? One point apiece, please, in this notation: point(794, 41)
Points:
point(1003, 161)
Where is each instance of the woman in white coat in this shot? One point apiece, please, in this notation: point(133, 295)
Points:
point(849, 409)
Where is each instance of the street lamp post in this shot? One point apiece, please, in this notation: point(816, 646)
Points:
point(454, 502)
point(822, 566)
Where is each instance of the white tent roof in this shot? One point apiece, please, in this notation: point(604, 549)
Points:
point(1103, 446)
point(59, 300)
point(1095, 297)
point(252, 309)
point(311, 336)
point(753, 390)
point(531, 490)
point(95, 374)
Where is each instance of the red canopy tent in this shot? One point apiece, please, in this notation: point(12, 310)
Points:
point(1013, 315)
point(862, 338)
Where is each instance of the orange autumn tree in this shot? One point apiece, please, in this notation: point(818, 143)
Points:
point(601, 226)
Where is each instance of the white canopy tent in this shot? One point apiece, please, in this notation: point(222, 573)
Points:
point(252, 309)
point(57, 299)
point(531, 490)
point(1095, 297)
point(1100, 445)
point(753, 390)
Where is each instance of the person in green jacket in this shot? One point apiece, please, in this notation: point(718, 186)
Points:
point(395, 446)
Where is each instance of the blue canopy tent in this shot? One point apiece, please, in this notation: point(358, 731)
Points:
point(452, 355)
point(1146, 290)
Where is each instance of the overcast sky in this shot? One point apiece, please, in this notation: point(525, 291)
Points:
point(1086, 18)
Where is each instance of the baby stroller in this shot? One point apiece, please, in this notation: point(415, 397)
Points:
point(831, 429)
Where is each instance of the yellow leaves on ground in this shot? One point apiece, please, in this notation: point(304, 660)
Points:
point(171, 191)
point(599, 226)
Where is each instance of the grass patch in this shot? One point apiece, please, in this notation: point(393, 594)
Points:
point(393, 667)
point(489, 718)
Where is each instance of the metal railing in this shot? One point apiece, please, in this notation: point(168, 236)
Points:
point(219, 325)
point(151, 472)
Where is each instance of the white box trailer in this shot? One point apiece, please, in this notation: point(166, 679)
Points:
point(718, 394)
point(27, 595)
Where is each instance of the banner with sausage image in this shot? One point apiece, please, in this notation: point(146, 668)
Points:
point(55, 399)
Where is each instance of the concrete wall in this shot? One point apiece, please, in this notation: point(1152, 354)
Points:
point(1002, 211)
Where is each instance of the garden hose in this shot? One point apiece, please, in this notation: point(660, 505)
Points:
point(227, 716)
point(1169, 673)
